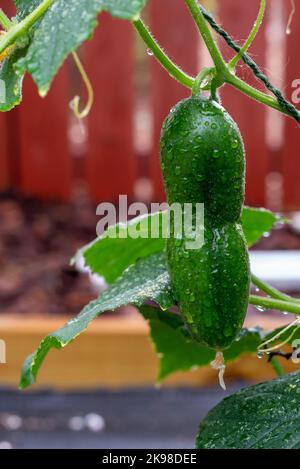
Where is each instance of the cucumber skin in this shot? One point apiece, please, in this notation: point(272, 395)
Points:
point(203, 161)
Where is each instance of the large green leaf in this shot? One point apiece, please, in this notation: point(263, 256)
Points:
point(108, 256)
point(125, 9)
point(146, 280)
point(179, 352)
point(63, 28)
point(50, 40)
point(257, 222)
point(13, 80)
point(265, 416)
point(25, 7)
point(9, 73)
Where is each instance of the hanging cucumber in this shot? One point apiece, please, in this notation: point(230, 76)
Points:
point(203, 161)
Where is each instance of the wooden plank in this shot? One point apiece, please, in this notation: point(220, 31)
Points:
point(45, 161)
point(237, 18)
point(108, 58)
point(291, 161)
point(172, 25)
point(114, 352)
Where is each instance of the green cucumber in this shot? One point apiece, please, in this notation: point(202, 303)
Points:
point(203, 161)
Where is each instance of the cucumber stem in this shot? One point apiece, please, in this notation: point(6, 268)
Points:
point(232, 64)
point(173, 70)
point(273, 292)
point(271, 303)
point(277, 367)
point(197, 86)
point(4, 20)
point(252, 92)
point(207, 37)
point(18, 29)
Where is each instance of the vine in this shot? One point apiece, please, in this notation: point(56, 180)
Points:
point(208, 79)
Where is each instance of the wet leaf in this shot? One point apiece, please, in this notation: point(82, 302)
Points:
point(265, 416)
point(13, 80)
point(62, 29)
point(146, 280)
point(108, 256)
point(257, 222)
point(179, 352)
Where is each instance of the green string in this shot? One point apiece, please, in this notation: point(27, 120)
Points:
point(285, 105)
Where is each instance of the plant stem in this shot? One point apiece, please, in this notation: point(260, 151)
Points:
point(200, 78)
point(271, 303)
point(161, 56)
point(252, 35)
point(265, 287)
point(20, 28)
point(207, 36)
point(254, 93)
point(277, 367)
point(4, 20)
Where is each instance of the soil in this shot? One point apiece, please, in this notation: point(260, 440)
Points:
point(37, 241)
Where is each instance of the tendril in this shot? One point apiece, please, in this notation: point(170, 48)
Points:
point(262, 347)
point(291, 16)
point(74, 104)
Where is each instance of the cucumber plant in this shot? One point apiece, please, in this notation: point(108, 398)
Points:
point(202, 159)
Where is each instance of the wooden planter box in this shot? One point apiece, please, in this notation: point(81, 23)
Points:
point(115, 352)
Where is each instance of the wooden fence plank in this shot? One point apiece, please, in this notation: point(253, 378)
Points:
point(110, 161)
point(291, 160)
point(45, 161)
point(237, 18)
point(174, 29)
point(4, 168)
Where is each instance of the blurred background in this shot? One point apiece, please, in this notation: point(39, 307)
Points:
point(55, 170)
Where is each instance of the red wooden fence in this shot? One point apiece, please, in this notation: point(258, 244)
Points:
point(238, 18)
point(180, 42)
point(36, 154)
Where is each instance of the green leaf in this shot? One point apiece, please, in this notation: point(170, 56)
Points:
point(108, 256)
point(25, 7)
point(9, 71)
point(125, 9)
point(179, 352)
point(265, 416)
point(62, 29)
point(257, 222)
point(114, 251)
point(13, 80)
point(146, 280)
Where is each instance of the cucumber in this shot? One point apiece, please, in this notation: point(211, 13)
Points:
point(203, 161)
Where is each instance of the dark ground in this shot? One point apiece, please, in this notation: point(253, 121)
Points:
point(129, 419)
point(37, 241)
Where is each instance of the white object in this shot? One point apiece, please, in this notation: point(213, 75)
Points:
point(279, 268)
